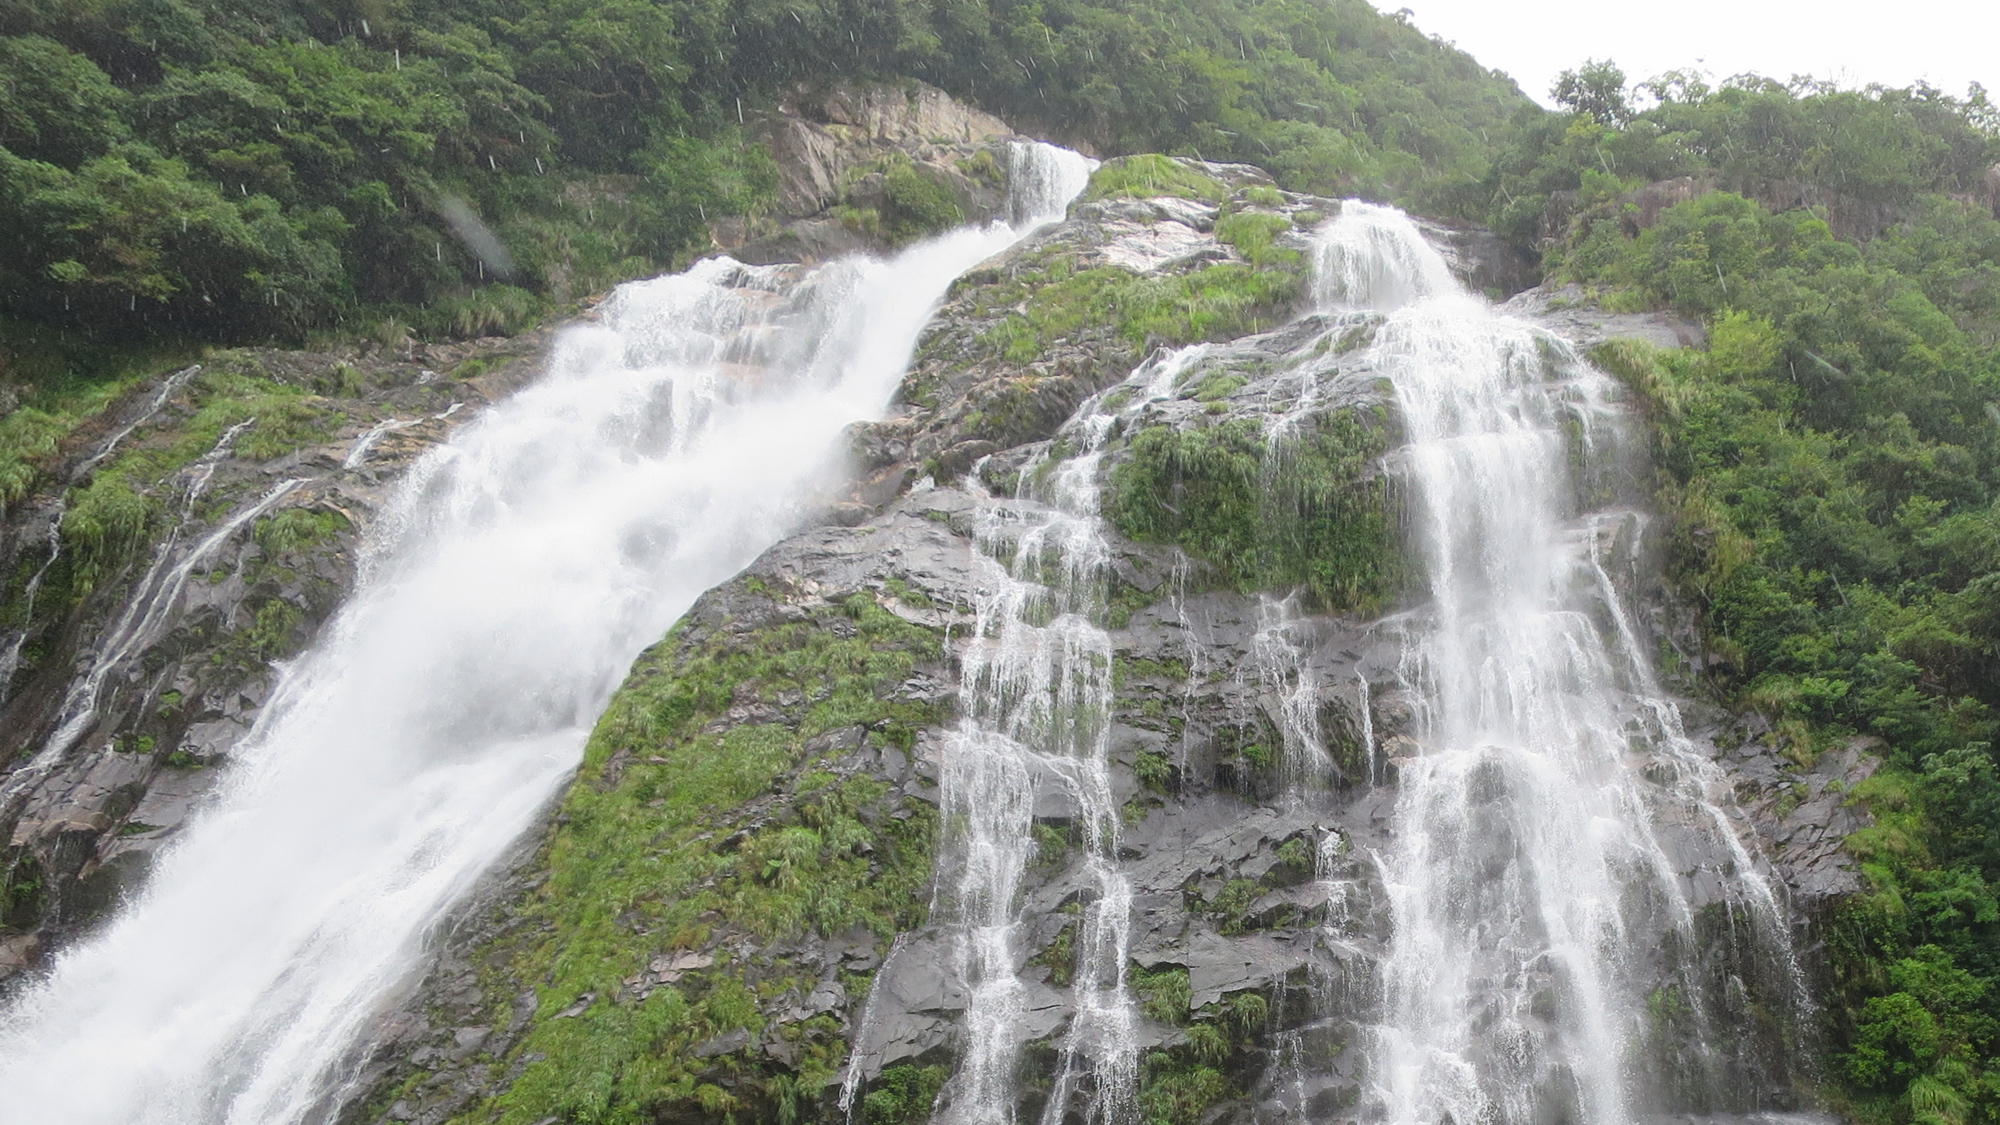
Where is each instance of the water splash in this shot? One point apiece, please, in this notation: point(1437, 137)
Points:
point(1373, 258)
point(504, 592)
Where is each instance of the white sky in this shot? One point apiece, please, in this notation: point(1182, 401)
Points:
point(1945, 42)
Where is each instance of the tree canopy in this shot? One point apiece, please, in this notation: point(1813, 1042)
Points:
point(233, 171)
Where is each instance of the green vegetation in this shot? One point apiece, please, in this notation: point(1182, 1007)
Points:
point(297, 528)
point(197, 167)
point(1152, 176)
point(1178, 1084)
point(904, 1095)
point(1048, 300)
point(1832, 464)
point(205, 170)
point(915, 204)
point(1866, 157)
point(1303, 511)
point(643, 861)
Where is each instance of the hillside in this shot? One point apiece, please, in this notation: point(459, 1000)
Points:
point(271, 258)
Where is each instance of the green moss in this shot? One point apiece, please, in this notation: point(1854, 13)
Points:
point(1164, 994)
point(983, 167)
point(28, 441)
point(1232, 902)
point(1219, 386)
point(644, 860)
point(104, 528)
point(23, 890)
point(1304, 512)
point(1150, 176)
point(1059, 956)
point(1254, 235)
point(915, 204)
point(295, 529)
point(1217, 303)
point(903, 1095)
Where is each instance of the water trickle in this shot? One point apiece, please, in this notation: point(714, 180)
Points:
point(1291, 690)
point(145, 617)
point(505, 590)
point(1036, 694)
point(1527, 881)
point(10, 659)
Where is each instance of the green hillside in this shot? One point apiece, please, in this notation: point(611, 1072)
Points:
point(220, 170)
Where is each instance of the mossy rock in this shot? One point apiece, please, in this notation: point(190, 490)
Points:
point(689, 836)
point(1152, 176)
point(1305, 511)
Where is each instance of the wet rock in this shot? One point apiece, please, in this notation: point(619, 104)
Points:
point(193, 682)
point(1565, 310)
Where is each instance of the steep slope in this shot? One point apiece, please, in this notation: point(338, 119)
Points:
point(148, 605)
point(733, 913)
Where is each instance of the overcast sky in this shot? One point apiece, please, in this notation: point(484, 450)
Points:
point(1945, 42)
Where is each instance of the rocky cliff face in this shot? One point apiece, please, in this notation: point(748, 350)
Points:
point(728, 916)
point(773, 955)
point(870, 167)
point(197, 532)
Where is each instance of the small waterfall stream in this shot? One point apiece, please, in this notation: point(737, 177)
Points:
point(1034, 741)
point(504, 592)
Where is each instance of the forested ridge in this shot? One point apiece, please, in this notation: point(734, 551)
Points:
point(224, 170)
point(174, 172)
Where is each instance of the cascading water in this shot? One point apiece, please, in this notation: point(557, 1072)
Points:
point(505, 590)
point(1532, 897)
point(10, 659)
point(1036, 697)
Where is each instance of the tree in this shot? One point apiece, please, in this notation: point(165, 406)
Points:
point(1597, 88)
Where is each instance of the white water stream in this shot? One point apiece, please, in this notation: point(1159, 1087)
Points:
point(1036, 697)
point(1527, 881)
point(505, 591)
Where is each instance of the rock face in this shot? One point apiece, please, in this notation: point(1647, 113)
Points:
point(142, 658)
point(1258, 918)
point(1563, 309)
point(868, 168)
point(729, 914)
point(822, 134)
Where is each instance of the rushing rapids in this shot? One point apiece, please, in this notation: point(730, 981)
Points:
point(505, 592)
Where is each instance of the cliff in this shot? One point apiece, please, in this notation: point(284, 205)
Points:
point(731, 912)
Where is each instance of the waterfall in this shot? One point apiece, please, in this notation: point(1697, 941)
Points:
point(505, 590)
point(1036, 699)
point(1532, 895)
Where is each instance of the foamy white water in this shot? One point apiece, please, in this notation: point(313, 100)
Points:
point(505, 591)
point(1527, 882)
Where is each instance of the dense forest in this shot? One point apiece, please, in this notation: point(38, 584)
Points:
point(219, 170)
point(180, 171)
